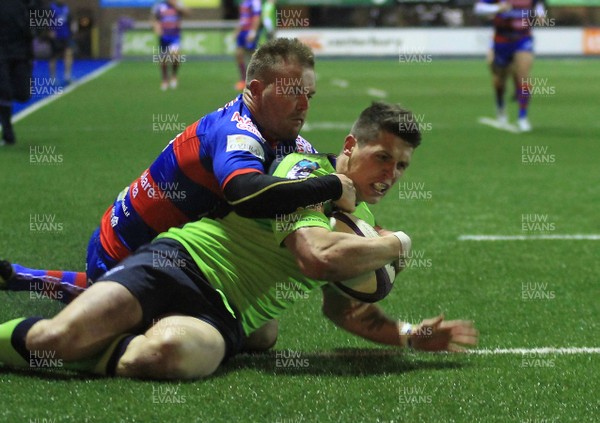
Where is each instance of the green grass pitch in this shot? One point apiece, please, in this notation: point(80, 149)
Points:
point(466, 178)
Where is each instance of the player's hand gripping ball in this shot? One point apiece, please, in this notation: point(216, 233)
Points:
point(372, 286)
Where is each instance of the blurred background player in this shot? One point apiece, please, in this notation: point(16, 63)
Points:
point(61, 39)
point(269, 18)
point(247, 34)
point(512, 50)
point(167, 25)
point(16, 60)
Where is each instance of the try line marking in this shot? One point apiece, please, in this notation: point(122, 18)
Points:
point(42, 103)
point(591, 237)
point(547, 350)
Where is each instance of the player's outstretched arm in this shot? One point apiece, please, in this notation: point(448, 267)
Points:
point(370, 322)
point(257, 195)
point(322, 254)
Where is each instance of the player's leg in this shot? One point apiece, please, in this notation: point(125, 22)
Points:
point(175, 61)
point(240, 59)
point(245, 51)
point(51, 284)
point(163, 58)
point(68, 57)
point(499, 68)
point(56, 52)
point(175, 347)
point(80, 333)
point(8, 135)
point(57, 284)
point(88, 324)
point(523, 62)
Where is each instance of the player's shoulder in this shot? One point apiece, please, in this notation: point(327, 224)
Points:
point(304, 146)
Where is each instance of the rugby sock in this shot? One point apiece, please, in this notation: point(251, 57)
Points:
point(107, 365)
point(523, 96)
point(14, 353)
point(11, 354)
point(174, 67)
point(52, 284)
point(499, 98)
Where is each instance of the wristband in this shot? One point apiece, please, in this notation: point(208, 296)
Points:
point(406, 243)
point(406, 330)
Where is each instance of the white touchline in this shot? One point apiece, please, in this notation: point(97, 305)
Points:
point(544, 350)
point(38, 105)
point(589, 237)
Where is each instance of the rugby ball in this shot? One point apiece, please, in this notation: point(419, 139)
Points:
point(372, 286)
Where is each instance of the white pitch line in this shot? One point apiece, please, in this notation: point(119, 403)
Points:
point(38, 105)
point(342, 83)
point(497, 125)
point(544, 350)
point(345, 126)
point(590, 237)
point(375, 92)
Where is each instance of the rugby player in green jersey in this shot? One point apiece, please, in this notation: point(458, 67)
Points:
point(197, 295)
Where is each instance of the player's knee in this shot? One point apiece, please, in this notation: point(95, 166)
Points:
point(263, 338)
point(174, 358)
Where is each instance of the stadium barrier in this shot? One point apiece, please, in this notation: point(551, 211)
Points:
point(216, 39)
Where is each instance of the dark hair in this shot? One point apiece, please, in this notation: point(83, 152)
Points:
point(272, 54)
point(392, 118)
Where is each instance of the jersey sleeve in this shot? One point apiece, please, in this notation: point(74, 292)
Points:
point(236, 152)
point(306, 218)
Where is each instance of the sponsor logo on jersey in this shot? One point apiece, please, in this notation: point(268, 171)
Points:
point(240, 142)
point(302, 169)
point(245, 123)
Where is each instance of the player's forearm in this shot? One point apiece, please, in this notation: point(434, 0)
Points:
point(362, 319)
point(257, 195)
point(325, 256)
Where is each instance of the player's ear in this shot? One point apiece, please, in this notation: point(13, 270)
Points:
point(349, 144)
point(256, 88)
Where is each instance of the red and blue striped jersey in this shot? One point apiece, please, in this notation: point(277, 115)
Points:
point(169, 18)
point(248, 9)
point(516, 23)
point(186, 180)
